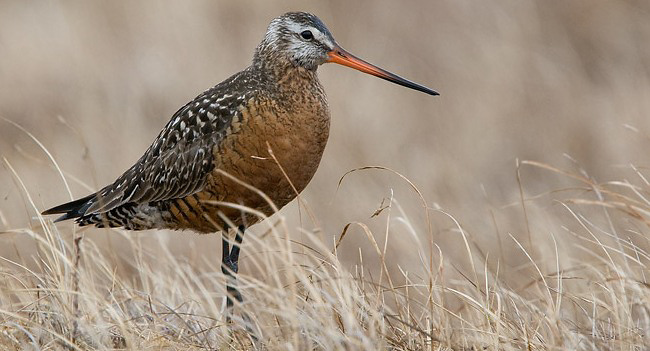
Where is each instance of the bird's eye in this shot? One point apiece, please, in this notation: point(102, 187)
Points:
point(307, 35)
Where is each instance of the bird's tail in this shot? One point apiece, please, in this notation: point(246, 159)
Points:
point(130, 215)
point(72, 209)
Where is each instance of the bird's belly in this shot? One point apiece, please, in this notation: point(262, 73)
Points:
point(268, 157)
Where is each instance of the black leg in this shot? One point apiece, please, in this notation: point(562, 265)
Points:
point(225, 250)
point(236, 247)
point(230, 266)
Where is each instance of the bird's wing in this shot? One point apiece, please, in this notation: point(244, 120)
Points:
point(178, 162)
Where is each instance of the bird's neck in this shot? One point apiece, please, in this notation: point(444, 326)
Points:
point(275, 65)
point(285, 75)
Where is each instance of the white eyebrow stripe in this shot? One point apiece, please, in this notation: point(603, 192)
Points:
point(318, 35)
point(295, 27)
point(298, 28)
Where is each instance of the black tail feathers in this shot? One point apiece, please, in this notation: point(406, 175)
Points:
point(73, 209)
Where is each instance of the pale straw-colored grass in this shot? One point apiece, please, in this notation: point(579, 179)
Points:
point(591, 294)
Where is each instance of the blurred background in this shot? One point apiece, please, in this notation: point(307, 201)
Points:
point(561, 82)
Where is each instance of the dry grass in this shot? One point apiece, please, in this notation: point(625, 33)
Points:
point(302, 298)
point(463, 247)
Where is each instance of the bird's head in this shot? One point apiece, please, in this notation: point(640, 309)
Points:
point(300, 38)
point(303, 40)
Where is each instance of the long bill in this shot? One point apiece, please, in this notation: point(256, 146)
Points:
point(342, 57)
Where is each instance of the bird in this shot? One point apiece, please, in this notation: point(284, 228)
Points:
point(213, 157)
